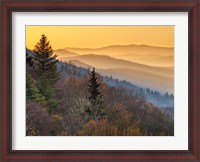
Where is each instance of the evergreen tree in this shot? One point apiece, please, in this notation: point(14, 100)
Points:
point(94, 87)
point(32, 91)
point(45, 64)
point(46, 60)
point(97, 109)
point(48, 92)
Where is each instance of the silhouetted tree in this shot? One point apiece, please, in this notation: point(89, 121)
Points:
point(46, 60)
point(94, 87)
point(45, 65)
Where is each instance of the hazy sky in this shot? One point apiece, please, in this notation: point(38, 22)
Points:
point(100, 36)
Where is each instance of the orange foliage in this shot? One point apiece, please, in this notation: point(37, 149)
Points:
point(133, 131)
point(98, 128)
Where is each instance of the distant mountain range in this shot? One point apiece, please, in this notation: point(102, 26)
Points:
point(107, 62)
point(145, 66)
point(142, 79)
point(157, 78)
point(152, 83)
point(161, 100)
point(143, 54)
point(62, 53)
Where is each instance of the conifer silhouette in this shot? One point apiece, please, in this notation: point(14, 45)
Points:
point(45, 64)
point(46, 60)
point(94, 85)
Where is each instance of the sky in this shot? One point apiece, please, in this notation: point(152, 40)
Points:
point(100, 36)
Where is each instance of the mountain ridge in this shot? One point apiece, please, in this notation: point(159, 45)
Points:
point(110, 62)
point(118, 45)
point(143, 54)
point(146, 76)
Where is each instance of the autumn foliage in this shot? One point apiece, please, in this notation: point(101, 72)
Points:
point(71, 103)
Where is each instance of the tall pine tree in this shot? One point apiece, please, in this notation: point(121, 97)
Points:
point(94, 91)
point(97, 109)
point(45, 59)
point(45, 64)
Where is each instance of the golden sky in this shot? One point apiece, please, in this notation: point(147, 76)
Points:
point(100, 36)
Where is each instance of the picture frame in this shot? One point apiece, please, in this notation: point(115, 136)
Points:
point(191, 7)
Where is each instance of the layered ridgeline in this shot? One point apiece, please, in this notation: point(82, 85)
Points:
point(141, 65)
point(161, 99)
point(156, 98)
point(143, 54)
point(121, 109)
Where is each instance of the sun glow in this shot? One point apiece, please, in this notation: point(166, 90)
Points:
point(100, 36)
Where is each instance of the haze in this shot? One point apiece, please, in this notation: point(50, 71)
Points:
point(142, 55)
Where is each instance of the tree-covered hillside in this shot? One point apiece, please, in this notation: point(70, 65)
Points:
point(65, 100)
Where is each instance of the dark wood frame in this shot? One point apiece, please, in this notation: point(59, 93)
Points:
point(9, 6)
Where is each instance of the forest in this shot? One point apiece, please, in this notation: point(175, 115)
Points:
point(65, 100)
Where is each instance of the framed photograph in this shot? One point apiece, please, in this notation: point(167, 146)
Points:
point(100, 80)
